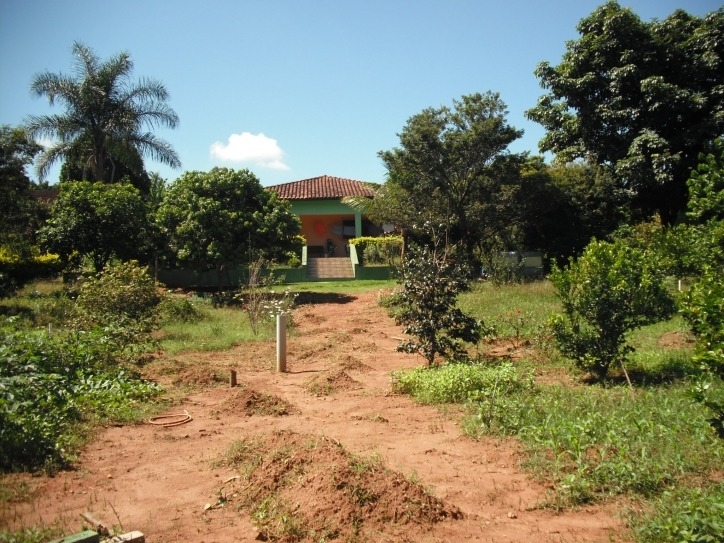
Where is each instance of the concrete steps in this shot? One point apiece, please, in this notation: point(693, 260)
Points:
point(330, 268)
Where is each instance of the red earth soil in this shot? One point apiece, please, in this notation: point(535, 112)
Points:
point(333, 403)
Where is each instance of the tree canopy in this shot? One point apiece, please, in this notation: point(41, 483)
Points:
point(98, 221)
point(453, 167)
point(643, 99)
point(224, 218)
point(21, 213)
point(105, 130)
point(567, 205)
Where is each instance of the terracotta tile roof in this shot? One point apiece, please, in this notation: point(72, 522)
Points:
point(324, 187)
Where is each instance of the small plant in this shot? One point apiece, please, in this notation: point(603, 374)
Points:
point(431, 282)
point(124, 291)
point(27, 535)
point(259, 299)
point(686, 515)
point(704, 311)
point(611, 290)
point(179, 309)
point(517, 324)
point(459, 383)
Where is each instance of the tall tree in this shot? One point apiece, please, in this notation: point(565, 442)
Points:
point(21, 212)
point(224, 219)
point(100, 222)
point(455, 167)
point(105, 130)
point(566, 205)
point(643, 99)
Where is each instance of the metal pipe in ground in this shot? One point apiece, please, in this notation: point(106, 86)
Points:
point(281, 343)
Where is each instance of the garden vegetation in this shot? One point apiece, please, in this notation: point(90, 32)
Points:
point(572, 367)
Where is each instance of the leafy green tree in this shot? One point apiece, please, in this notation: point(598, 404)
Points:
point(98, 221)
point(123, 296)
point(607, 292)
point(453, 168)
point(103, 132)
point(225, 219)
point(706, 187)
point(565, 206)
point(643, 99)
point(703, 304)
point(431, 283)
point(21, 213)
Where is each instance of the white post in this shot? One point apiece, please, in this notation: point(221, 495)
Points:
point(281, 343)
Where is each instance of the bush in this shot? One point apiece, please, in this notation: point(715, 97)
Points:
point(703, 309)
point(48, 383)
point(611, 290)
point(430, 287)
point(18, 269)
point(122, 292)
point(379, 250)
point(179, 309)
point(460, 382)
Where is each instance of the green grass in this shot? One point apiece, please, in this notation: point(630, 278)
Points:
point(683, 514)
point(514, 310)
point(597, 442)
point(218, 329)
point(340, 287)
point(28, 535)
point(652, 443)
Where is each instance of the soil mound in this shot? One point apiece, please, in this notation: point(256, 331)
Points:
point(330, 383)
point(302, 487)
point(251, 402)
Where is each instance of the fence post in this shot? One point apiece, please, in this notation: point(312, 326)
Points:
point(281, 343)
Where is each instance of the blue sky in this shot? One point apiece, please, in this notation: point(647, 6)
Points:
point(292, 89)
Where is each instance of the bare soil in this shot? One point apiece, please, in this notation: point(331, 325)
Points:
point(321, 452)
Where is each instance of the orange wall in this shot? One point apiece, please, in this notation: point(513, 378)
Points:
point(317, 229)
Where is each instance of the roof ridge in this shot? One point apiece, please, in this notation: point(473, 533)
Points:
point(322, 187)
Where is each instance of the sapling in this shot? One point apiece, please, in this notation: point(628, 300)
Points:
point(609, 291)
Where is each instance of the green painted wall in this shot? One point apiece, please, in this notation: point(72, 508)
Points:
point(320, 207)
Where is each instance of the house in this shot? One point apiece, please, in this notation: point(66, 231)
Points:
point(318, 203)
point(327, 223)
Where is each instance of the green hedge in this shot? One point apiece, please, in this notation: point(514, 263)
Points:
point(379, 250)
point(16, 270)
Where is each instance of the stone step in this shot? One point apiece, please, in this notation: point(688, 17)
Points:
point(330, 268)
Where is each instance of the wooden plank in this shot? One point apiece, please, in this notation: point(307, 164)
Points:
point(130, 537)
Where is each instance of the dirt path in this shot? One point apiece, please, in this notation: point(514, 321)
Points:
point(166, 482)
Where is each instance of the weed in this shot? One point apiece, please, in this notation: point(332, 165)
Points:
point(28, 535)
point(683, 514)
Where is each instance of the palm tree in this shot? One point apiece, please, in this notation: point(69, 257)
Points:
point(105, 129)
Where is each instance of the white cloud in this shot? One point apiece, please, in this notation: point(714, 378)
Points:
point(247, 147)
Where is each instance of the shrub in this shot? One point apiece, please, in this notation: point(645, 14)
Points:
point(18, 269)
point(430, 287)
point(703, 308)
point(179, 309)
point(379, 250)
point(611, 290)
point(459, 383)
point(48, 383)
point(123, 292)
